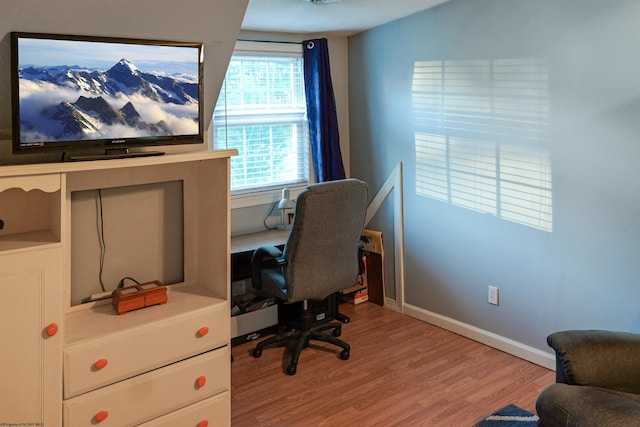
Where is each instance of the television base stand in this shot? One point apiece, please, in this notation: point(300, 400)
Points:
point(109, 154)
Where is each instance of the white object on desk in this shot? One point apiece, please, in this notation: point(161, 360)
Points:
point(284, 204)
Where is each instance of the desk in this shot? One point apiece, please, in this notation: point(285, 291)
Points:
point(253, 325)
point(251, 241)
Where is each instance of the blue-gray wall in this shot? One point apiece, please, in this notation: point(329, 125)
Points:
point(549, 89)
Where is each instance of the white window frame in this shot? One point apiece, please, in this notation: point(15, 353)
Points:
point(261, 197)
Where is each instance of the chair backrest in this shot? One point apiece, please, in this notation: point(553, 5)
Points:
point(322, 249)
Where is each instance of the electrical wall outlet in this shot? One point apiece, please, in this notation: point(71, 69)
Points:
point(493, 295)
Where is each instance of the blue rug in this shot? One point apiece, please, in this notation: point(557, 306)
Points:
point(509, 416)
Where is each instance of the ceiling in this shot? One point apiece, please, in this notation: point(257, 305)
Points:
point(345, 17)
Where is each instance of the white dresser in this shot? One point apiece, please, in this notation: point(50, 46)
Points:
point(85, 365)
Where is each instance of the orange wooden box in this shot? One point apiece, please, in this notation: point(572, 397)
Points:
point(139, 296)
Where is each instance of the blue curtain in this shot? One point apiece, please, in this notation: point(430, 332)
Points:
point(321, 111)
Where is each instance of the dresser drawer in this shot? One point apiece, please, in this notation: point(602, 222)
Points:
point(93, 363)
point(212, 412)
point(153, 394)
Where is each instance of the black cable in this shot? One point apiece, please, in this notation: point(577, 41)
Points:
point(264, 221)
point(121, 283)
point(103, 248)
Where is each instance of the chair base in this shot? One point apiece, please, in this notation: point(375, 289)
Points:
point(342, 318)
point(327, 332)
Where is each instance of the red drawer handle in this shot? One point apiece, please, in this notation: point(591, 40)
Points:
point(203, 331)
point(101, 416)
point(101, 363)
point(201, 381)
point(203, 423)
point(52, 329)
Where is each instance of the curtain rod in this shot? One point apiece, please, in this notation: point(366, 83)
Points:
point(309, 44)
point(268, 41)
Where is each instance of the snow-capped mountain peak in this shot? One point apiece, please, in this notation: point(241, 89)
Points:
point(124, 66)
point(125, 62)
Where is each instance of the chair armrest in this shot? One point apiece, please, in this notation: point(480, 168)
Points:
point(264, 256)
point(606, 359)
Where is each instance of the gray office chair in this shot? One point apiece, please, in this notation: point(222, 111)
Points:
point(320, 258)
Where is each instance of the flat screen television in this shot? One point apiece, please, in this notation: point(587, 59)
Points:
point(98, 97)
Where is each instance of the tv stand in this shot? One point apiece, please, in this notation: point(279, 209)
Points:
point(110, 153)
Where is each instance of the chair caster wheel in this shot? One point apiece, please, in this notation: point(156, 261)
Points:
point(344, 355)
point(342, 318)
point(291, 370)
point(256, 352)
point(337, 332)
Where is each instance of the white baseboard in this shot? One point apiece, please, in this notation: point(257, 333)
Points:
point(391, 305)
point(501, 343)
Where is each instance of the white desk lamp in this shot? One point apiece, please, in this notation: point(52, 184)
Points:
point(284, 204)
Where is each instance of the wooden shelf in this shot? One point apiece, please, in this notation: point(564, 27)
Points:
point(29, 240)
point(65, 167)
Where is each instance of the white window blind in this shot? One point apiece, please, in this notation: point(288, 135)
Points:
point(261, 112)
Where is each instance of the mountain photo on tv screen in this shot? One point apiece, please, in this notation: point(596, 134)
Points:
point(80, 89)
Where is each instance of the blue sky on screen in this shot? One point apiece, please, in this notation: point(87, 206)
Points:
point(102, 56)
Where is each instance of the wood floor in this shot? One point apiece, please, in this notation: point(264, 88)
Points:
point(402, 372)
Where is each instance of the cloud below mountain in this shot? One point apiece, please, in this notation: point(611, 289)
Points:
point(72, 103)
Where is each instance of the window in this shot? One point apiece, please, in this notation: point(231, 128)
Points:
point(261, 112)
